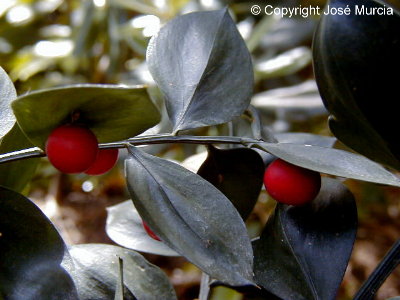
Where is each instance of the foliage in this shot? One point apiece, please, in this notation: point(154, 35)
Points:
point(203, 83)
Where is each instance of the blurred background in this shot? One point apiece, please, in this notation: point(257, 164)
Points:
point(48, 43)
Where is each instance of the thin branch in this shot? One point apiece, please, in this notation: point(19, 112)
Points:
point(21, 154)
point(138, 141)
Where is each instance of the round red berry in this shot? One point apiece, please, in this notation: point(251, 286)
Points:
point(72, 148)
point(105, 160)
point(149, 231)
point(291, 184)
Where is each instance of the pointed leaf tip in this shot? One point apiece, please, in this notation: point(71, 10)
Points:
point(201, 62)
point(191, 216)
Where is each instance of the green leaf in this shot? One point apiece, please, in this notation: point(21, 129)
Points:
point(112, 112)
point(15, 175)
point(355, 57)
point(306, 139)
point(95, 269)
point(7, 94)
point(201, 64)
point(303, 251)
point(331, 161)
point(237, 173)
point(124, 226)
point(191, 216)
point(31, 252)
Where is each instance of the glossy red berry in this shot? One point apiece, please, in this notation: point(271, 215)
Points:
point(105, 160)
point(149, 231)
point(72, 148)
point(291, 184)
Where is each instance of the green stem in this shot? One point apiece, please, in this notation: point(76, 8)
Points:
point(139, 141)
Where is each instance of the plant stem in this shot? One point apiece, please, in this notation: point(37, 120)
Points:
point(21, 154)
point(379, 275)
point(138, 141)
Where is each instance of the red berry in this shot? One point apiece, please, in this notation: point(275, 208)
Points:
point(291, 184)
point(105, 160)
point(71, 148)
point(149, 231)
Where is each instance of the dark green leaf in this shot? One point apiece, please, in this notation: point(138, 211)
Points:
point(191, 216)
point(15, 175)
point(124, 226)
point(7, 94)
point(355, 57)
point(303, 251)
point(202, 65)
point(237, 173)
point(31, 252)
point(331, 161)
point(306, 139)
point(95, 270)
point(112, 112)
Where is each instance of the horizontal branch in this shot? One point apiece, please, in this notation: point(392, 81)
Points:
point(138, 141)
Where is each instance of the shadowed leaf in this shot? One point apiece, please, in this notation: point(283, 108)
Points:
point(31, 252)
point(191, 216)
point(124, 226)
point(237, 173)
point(303, 251)
point(96, 270)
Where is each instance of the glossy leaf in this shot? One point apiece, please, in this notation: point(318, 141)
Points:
point(306, 139)
point(237, 173)
point(201, 63)
point(355, 57)
point(7, 94)
point(331, 161)
point(31, 252)
point(303, 251)
point(95, 270)
point(15, 175)
point(112, 112)
point(191, 216)
point(124, 226)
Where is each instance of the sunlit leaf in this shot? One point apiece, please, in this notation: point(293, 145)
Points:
point(112, 112)
point(7, 94)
